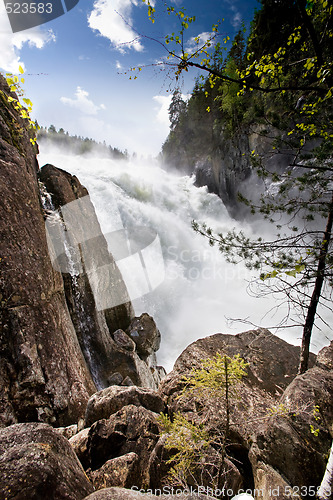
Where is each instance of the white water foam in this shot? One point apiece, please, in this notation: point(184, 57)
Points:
point(200, 290)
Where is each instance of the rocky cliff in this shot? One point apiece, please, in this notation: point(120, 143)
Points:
point(222, 161)
point(57, 343)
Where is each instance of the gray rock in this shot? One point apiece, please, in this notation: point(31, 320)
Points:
point(79, 444)
point(129, 364)
point(67, 432)
point(36, 462)
point(127, 382)
point(115, 379)
point(132, 429)
point(122, 472)
point(325, 357)
point(144, 333)
point(108, 401)
point(123, 340)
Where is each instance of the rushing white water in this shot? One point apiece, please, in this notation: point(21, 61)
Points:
point(200, 290)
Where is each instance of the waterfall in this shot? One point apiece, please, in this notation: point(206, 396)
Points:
point(73, 290)
point(198, 290)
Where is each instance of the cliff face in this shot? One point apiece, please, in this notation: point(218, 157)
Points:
point(222, 161)
point(76, 216)
point(56, 343)
point(43, 372)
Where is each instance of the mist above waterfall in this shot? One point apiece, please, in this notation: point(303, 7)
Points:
point(199, 290)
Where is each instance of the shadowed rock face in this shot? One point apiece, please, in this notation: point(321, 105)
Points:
point(93, 326)
point(55, 340)
point(133, 429)
point(42, 370)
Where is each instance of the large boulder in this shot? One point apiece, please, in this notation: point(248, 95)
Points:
point(296, 440)
point(272, 366)
point(133, 429)
point(144, 332)
point(36, 463)
point(121, 471)
point(104, 403)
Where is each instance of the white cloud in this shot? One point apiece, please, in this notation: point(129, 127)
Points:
point(192, 45)
point(82, 102)
point(112, 19)
point(163, 113)
point(11, 43)
point(236, 20)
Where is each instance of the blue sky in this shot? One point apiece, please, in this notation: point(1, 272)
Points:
point(75, 66)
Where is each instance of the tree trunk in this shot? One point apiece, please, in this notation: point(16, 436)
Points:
point(325, 491)
point(312, 308)
point(311, 30)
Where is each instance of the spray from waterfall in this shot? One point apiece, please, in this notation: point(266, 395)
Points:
point(73, 295)
point(200, 290)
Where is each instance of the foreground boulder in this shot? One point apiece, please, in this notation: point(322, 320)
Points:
point(132, 429)
point(293, 445)
point(104, 403)
point(122, 471)
point(272, 368)
point(37, 463)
